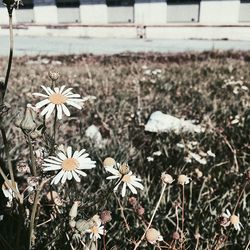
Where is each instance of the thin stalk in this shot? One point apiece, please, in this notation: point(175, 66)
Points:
point(10, 53)
point(183, 211)
point(32, 157)
point(54, 133)
point(238, 200)
point(7, 153)
point(151, 220)
point(34, 210)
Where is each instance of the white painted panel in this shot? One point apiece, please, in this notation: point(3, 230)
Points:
point(150, 12)
point(219, 12)
point(244, 12)
point(94, 13)
point(24, 16)
point(68, 15)
point(120, 14)
point(183, 12)
point(45, 14)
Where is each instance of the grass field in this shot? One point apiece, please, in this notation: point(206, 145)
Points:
point(211, 88)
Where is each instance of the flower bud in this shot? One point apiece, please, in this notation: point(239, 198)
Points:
point(28, 122)
point(73, 210)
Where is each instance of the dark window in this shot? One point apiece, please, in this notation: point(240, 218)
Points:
point(67, 3)
point(120, 2)
point(27, 4)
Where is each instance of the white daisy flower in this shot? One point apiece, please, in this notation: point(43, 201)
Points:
point(96, 231)
point(234, 220)
point(129, 180)
point(70, 165)
point(56, 99)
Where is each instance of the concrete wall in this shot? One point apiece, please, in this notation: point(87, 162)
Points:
point(120, 14)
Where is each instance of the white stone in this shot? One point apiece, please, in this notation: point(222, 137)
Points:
point(94, 134)
point(159, 122)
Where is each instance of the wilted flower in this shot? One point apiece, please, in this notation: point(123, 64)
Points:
point(234, 220)
point(176, 235)
point(183, 179)
point(153, 236)
point(129, 180)
point(54, 197)
point(198, 173)
point(70, 164)
point(167, 178)
point(56, 99)
point(7, 191)
point(96, 231)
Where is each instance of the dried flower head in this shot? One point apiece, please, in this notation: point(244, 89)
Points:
point(176, 235)
point(53, 75)
point(153, 236)
point(106, 216)
point(23, 167)
point(140, 210)
point(109, 162)
point(124, 169)
point(133, 201)
point(166, 178)
point(183, 179)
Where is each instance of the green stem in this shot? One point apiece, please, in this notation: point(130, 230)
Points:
point(7, 153)
point(32, 157)
point(10, 54)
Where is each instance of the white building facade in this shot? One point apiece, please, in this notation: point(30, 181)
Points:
point(138, 18)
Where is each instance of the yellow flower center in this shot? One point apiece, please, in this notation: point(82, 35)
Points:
point(126, 178)
point(234, 219)
point(94, 230)
point(57, 99)
point(70, 164)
